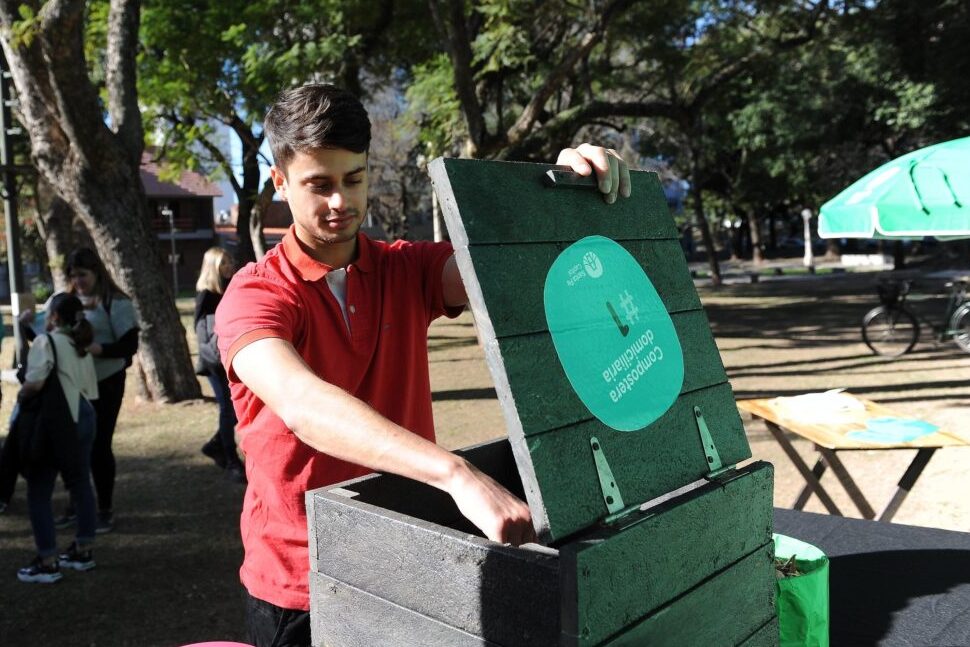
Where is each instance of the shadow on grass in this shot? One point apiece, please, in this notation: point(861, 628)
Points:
point(168, 574)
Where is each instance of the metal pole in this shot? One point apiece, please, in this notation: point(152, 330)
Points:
point(808, 260)
point(168, 211)
point(10, 202)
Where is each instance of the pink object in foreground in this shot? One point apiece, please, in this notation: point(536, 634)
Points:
point(218, 643)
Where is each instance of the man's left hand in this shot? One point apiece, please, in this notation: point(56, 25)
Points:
point(612, 172)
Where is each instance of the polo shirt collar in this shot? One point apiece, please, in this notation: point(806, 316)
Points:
point(311, 269)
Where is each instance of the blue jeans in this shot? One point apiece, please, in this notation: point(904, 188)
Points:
point(40, 488)
point(227, 415)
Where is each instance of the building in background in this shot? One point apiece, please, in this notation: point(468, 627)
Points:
point(182, 217)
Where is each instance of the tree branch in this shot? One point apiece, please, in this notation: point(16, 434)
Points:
point(36, 106)
point(455, 33)
point(374, 37)
point(781, 43)
point(74, 101)
point(554, 80)
point(564, 125)
point(121, 74)
point(244, 132)
point(223, 161)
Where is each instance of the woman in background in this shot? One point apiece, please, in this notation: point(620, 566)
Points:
point(70, 435)
point(112, 316)
point(217, 269)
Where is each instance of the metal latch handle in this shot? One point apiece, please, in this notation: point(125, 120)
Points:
point(556, 179)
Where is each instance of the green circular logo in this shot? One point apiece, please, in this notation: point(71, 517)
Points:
point(613, 335)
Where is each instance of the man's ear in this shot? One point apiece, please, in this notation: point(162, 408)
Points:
point(279, 181)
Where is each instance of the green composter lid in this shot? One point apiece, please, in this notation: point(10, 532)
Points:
point(601, 354)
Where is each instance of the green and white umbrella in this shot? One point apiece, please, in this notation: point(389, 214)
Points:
point(923, 193)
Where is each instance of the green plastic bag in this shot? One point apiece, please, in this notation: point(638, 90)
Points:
point(802, 600)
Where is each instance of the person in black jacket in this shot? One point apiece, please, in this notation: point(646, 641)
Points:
point(217, 268)
point(112, 316)
point(10, 452)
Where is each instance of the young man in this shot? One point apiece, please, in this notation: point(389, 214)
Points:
point(325, 342)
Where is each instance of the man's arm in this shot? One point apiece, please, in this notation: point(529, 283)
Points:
point(334, 422)
point(614, 179)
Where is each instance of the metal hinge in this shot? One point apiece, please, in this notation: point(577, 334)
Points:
point(714, 466)
point(611, 493)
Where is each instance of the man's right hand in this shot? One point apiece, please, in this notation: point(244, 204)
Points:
point(492, 508)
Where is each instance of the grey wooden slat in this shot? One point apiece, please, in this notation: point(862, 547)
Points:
point(766, 636)
point(645, 464)
point(344, 616)
point(515, 305)
point(544, 399)
point(509, 202)
point(722, 612)
point(505, 594)
point(617, 576)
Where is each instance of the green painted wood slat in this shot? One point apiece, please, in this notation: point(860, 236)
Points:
point(645, 465)
point(722, 612)
point(614, 577)
point(509, 202)
point(766, 636)
point(515, 306)
point(544, 398)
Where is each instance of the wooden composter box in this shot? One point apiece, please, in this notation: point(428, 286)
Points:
point(623, 436)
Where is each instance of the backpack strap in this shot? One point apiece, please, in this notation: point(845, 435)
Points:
point(53, 346)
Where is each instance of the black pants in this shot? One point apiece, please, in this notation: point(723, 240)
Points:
point(9, 466)
point(273, 626)
point(110, 392)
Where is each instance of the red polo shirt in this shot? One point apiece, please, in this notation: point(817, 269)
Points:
point(393, 294)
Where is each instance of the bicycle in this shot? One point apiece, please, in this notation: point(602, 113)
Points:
point(892, 329)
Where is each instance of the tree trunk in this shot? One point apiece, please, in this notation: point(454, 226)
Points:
point(257, 217)
point(899, 255)
point(708, 244)
point(706, 237)
point(754, 231)
point(61, 232)
point(118, 223)
point(96, 169)
point(832, 249)
point(249, 222)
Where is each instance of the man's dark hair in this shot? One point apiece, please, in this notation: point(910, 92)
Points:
point(316, 115)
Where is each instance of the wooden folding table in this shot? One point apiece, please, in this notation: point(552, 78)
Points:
point(836, 435)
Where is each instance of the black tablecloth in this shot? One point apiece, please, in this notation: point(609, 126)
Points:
point(890, 584)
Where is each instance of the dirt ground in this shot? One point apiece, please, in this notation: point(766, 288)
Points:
point(168, 575)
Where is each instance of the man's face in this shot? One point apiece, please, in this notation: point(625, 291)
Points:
point(326, 189)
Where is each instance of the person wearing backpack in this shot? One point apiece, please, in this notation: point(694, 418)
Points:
point(217, 268)
point(114, 321)
point(56, 428)
point(27, 321)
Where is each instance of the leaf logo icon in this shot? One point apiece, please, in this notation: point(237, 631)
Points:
point(594, 268)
